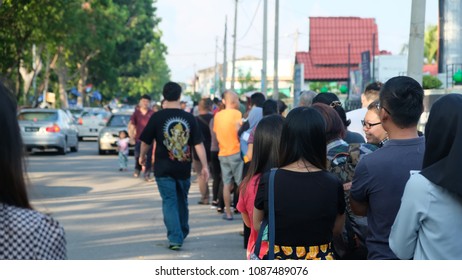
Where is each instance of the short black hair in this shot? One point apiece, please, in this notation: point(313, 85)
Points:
point(257, 99)
point(171, 91)
point(332, 100)
point(372, 90)
point(402, 97)
point(270, 107)
point(145, 96)
point(281, 106)
point(325, 97)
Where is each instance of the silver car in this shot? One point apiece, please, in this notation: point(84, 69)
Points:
point(91, 121)
point(109, 135)
point(48, 129)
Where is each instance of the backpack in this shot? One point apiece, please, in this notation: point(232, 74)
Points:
point(352, 243)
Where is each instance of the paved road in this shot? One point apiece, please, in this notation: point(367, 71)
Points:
point(108, 214)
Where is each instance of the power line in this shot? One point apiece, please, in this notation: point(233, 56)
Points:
point(251, 22)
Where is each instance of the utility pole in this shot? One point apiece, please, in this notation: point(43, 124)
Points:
point(416, 40)
point(349, 69)
point(276, 50)
point(215, 77)
point(373, 57)
point(234, 46)
point(225, 63)
point(441, 53)
point(194, 79)
point(265, 48)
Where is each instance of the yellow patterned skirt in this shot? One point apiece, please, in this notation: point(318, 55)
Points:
point(317, 252)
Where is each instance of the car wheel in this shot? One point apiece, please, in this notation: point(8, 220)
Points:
point(101, 152)
point(75, 148)
point(63, 150)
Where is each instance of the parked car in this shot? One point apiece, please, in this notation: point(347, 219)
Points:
point(109, 135)
point(76, 112)
point(48, 129)
point(91, 121)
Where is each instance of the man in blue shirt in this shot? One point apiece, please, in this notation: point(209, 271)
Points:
point(380, 177)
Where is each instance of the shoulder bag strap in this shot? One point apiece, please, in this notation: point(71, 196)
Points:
point(271, 220)
point(257, 247)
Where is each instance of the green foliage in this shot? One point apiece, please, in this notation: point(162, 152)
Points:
point(430, 82)
point(431, 43)
point(246, 81)
point(113, 44)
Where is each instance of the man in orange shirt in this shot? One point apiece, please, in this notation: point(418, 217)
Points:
point(226, 126)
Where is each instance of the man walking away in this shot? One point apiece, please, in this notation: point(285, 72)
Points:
point(137, 123)
point(175, 132)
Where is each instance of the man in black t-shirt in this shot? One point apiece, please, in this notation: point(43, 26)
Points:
point(175, 132)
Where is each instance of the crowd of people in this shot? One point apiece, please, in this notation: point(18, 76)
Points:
point(386, 191)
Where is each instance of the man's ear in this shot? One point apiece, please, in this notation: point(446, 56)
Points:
point(363, 100)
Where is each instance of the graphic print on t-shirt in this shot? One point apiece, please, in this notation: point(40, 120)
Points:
point(176, 134)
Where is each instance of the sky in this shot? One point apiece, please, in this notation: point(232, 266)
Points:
point(190, 28)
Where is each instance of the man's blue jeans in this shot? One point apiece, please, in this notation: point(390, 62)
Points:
point(174, 193)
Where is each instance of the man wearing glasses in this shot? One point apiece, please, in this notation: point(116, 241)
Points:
point(380, 177)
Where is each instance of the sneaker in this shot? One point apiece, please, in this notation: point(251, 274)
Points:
point(148, 179)
point(174, 247)
point(136, 174)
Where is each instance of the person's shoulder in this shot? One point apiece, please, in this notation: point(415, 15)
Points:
point(329, 176)
point(29, 219)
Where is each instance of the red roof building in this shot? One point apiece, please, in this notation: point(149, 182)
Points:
point(327, 58)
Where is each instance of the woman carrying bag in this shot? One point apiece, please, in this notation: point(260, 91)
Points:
point(308, 200)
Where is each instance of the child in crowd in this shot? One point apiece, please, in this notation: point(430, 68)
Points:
point(122, 148)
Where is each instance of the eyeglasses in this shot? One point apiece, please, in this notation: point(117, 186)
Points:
point(335, 104)
point(379, 106)
point(368, 125)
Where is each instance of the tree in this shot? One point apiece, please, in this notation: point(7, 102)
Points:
point(113, 44)
point(431, 44)
point(23, 24)
point(246, 81)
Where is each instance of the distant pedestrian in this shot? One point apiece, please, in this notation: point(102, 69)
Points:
point(123, 149)
point(138, 122)
point(203, 120)
point(226, 125)
point(176, 133)
point(25, 234)
point(306, 98)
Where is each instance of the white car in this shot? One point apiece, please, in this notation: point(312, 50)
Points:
point(91, 121)
point(48, 129)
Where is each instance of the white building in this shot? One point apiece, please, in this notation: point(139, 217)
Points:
point(247, 66)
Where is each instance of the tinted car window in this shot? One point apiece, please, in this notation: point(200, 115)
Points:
point(119, 120)
point(38, 116)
